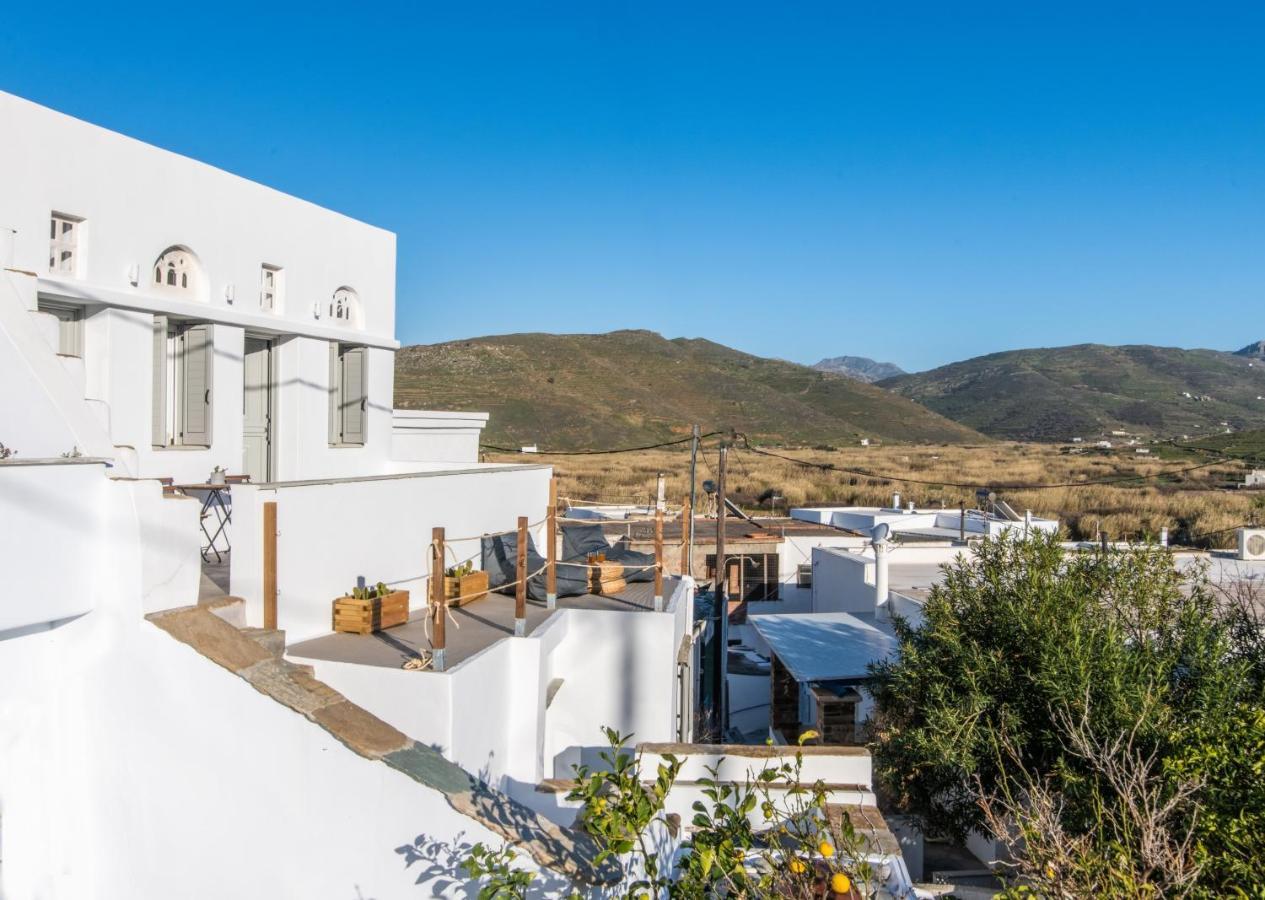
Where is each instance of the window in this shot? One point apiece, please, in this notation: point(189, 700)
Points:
point(182, 382)
point(63, 244)
point(270, 279)
point(752, 576)
point(69, 326)
point(347, 394)
point(177, 271)
point(344, 307)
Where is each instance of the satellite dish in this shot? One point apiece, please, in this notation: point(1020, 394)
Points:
point(709, 486)
point(879, 532)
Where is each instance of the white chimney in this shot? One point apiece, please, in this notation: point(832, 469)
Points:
point(895, 500)
point(1163, 537)
point(661, 498)
point(911, 506)
point(878, 540)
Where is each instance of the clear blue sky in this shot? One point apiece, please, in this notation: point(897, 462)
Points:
point(913, 182)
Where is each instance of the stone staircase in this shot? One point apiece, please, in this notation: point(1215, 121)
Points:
point(216, 629)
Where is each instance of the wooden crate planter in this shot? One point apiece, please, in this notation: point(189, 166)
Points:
point(607, 578)
point(367, 616)
point(468, 588)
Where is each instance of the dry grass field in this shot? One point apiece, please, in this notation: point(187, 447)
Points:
point(1188, 504)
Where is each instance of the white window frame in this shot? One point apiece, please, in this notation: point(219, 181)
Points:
point(69, 326)
point(271, 296)
point(64, 244)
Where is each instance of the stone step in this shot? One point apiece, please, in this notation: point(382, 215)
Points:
point(271, 639)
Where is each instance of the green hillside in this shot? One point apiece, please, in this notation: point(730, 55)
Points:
point(628, 387)
point(1064, 392)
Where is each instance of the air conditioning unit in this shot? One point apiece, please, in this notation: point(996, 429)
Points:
point(804, 575)
point(1252, 543)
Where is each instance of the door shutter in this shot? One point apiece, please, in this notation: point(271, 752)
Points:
point(198, 356)
point(335, 419)
point(354, 395)
point(158, 416)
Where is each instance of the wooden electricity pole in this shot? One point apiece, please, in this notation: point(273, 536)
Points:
point(721, 612)
point(520, 589)
point(551, 538)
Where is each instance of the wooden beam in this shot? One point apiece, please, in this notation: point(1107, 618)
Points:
point(270, 564)
point(658, 560)
point(551, 538)
point(520, 590)
point(438, 601)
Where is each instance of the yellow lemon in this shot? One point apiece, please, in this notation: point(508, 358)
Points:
point(826, 849)
point(798, 867)
point(840, 883)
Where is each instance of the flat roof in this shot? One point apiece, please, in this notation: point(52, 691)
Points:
point(824, 646)
point(736, 529)
point(479, 625)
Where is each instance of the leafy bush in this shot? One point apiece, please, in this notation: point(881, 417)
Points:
point(1107, 692)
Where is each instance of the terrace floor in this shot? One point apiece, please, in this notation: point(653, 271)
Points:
point(471, 628)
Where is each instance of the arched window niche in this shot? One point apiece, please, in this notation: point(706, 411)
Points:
point(344, 308)
point(178, 272)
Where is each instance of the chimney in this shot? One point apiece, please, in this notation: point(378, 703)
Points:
point(1163, 537)
point(880, 575)
point(895, 500)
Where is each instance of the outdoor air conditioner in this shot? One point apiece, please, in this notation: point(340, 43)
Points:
point(1252, 543)
point(804, 575)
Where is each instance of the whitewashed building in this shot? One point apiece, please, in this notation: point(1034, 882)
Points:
point(160, 319)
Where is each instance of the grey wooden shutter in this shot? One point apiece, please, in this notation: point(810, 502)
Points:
point(335, 417)
point(354, 395)
point(158, 418)
point(198, 356)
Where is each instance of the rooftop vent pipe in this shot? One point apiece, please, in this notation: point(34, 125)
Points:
point(878, 540)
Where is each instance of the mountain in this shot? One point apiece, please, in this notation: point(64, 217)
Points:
point(1254, 350)
point(860, 368)
point(570, 391)
point(1063, 392)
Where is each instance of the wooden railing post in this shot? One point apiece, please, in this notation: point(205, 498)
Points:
point(658, 560)
point(270, 564)
point(687, 521)
point(438, 601)
point(551, 538)
point(520, 590)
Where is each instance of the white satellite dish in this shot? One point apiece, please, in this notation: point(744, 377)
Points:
point(879, 533)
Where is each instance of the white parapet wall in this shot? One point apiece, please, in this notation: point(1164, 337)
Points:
point(529, 708)
point(133, 766)
point(330, 533)
point(436, 436)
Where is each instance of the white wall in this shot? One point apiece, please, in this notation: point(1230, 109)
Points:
point(436, 436)
point(136, 201)
point(842, 582)
point(330, 533)
point(131, 766)
point(488, 713)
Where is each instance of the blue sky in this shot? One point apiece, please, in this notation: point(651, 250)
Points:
point(914, 182)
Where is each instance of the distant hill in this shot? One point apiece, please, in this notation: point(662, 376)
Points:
point(1063, 392)
point(1254, 350)
point(861, 368)
point(569, 391)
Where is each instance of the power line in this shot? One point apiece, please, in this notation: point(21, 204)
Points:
point(684, 440)
point(831, 467)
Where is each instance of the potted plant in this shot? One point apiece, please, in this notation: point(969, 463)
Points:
point(463, 584)
point(366, 609)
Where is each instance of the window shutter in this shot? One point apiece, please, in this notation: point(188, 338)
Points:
point(335, 419)
point(354, 395)
point(198, 356)
point(158, 418)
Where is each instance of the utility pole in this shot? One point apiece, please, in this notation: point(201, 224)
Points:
point(689, 523)
point(721, 612)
